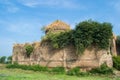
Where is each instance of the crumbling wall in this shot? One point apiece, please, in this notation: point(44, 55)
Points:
point(45, 55)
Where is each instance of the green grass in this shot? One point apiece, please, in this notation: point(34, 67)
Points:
point(18, 74)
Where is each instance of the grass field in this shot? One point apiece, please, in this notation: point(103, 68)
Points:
point(18, 74)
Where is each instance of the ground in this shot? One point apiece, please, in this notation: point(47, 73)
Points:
point(18, 74)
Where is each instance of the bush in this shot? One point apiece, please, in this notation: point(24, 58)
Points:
point(26, 67)
point(103, 69)
point(15, 65)
point(58, 70)
point(116, 62)
point(29, 50)
point(39, 68)
point(74, 71)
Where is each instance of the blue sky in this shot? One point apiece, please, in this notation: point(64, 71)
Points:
point(21, 20)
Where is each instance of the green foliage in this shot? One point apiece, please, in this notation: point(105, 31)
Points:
point(102, 35)
point(85, 34)
point(60, 40)
point(103, 69)
point(116, 62)
point(26, 67)
point(29, 49)
point(39, 68)
point(59, 70)
point(12, 66)
point(74, 71)
point(3, 59)
point(6, 60)
point(90, 32)
point(118, 41)
point(9, 59)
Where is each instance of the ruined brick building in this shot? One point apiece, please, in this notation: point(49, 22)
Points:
point(45, 55)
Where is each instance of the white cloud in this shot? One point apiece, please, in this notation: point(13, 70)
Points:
point(51, 3)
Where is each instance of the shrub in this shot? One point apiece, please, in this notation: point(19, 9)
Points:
point(39, 68)
point(74, 71)
point(28, 67)
point(58, 70)
point(103, 69)
point(12, 65)
point(116, 62)
point(29, 50)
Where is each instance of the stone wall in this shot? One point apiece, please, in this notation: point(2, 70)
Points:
point(45, 55)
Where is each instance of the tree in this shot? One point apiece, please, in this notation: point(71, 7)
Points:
point(9, 59)
point(3, 59)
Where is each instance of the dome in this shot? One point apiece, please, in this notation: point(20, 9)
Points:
point(57, 26)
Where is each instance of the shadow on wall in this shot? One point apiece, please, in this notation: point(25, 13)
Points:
point(118, 50)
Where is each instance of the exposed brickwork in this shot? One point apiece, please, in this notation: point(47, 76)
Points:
point(45, 55)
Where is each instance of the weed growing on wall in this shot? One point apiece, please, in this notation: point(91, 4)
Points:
point(29, 50)
point(85, 34)
point(116, 62)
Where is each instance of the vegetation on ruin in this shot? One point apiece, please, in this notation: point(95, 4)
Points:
point(86, 33)
point(116, 62)
point(103, 69)
point(29, 49)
